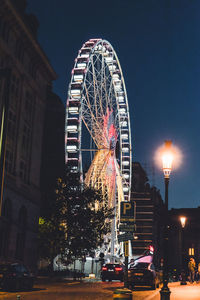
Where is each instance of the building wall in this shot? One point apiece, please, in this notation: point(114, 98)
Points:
point(149, 206)
point(31, 74)
point(183, 239)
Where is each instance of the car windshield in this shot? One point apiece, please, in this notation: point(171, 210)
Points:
point(140, 266)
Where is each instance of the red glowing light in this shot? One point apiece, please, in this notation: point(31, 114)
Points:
point(118, 269)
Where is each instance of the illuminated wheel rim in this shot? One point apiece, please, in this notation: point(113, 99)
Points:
point(97, 100)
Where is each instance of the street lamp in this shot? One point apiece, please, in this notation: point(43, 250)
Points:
point(183, 221)
point(183, 274)
point(167, 160)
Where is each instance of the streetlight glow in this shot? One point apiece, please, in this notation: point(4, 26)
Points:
point(183, 221)
point(167, 158)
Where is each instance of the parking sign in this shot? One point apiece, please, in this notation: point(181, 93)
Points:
point(127, 212)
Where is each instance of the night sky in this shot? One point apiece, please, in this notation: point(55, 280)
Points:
point(158, 45)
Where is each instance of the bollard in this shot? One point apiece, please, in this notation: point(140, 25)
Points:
point(18, 297)
point(183, 278)
point(122, 294)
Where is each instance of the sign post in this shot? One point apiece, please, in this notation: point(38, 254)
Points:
point(127, 218)
point(126, 254)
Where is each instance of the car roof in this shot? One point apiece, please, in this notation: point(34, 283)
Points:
point(116, 263)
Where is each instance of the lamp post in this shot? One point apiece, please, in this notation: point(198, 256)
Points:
point(167, 159)
point(183, 274)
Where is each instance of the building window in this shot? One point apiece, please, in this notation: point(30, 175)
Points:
point(191, 251)
point(14, 91)
point(29, 107)
point(11, 125)
point(26, 139)
point(9, 161)
point(23, 172)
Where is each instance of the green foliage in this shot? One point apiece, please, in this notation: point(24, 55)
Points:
point(51, 239)
point(78, 223)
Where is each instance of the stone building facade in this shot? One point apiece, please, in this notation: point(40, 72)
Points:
point(30, 78)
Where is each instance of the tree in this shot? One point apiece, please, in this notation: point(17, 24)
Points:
point(52, 231)
point(87, 217)
point(79, 220)
point(88, 220)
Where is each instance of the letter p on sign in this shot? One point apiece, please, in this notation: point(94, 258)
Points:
point(127, 206)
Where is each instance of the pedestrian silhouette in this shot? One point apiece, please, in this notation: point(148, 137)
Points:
point(191, 267)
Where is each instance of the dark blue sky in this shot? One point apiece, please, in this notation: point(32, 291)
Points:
point(158, 45)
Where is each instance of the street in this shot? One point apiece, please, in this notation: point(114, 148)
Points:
point(90, 290)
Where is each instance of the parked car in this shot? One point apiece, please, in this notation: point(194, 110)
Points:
point(15, 276)
point(112, 272)
point(143, 274)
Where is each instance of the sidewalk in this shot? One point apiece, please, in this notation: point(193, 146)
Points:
point(180, 292)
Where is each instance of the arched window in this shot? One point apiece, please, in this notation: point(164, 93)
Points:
point(21, 235)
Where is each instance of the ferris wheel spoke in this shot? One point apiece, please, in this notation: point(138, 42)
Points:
point(97, 73)
point(90, 119)
point(96, 88)
point(102, 86)
point(106, 82)
point(110, 93)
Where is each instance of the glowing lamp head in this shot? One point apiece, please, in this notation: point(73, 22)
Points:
point(167, 159)
point(183, 221)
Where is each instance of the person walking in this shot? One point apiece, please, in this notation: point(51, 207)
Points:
point(198, 272)
point(191, 267)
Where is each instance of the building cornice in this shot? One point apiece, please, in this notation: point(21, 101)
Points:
point(30, 37)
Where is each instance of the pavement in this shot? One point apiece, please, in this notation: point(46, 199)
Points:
point(59, 288)
point(189, 291)
point(178, 292)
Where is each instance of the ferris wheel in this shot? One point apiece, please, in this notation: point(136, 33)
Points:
point(97, 115)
